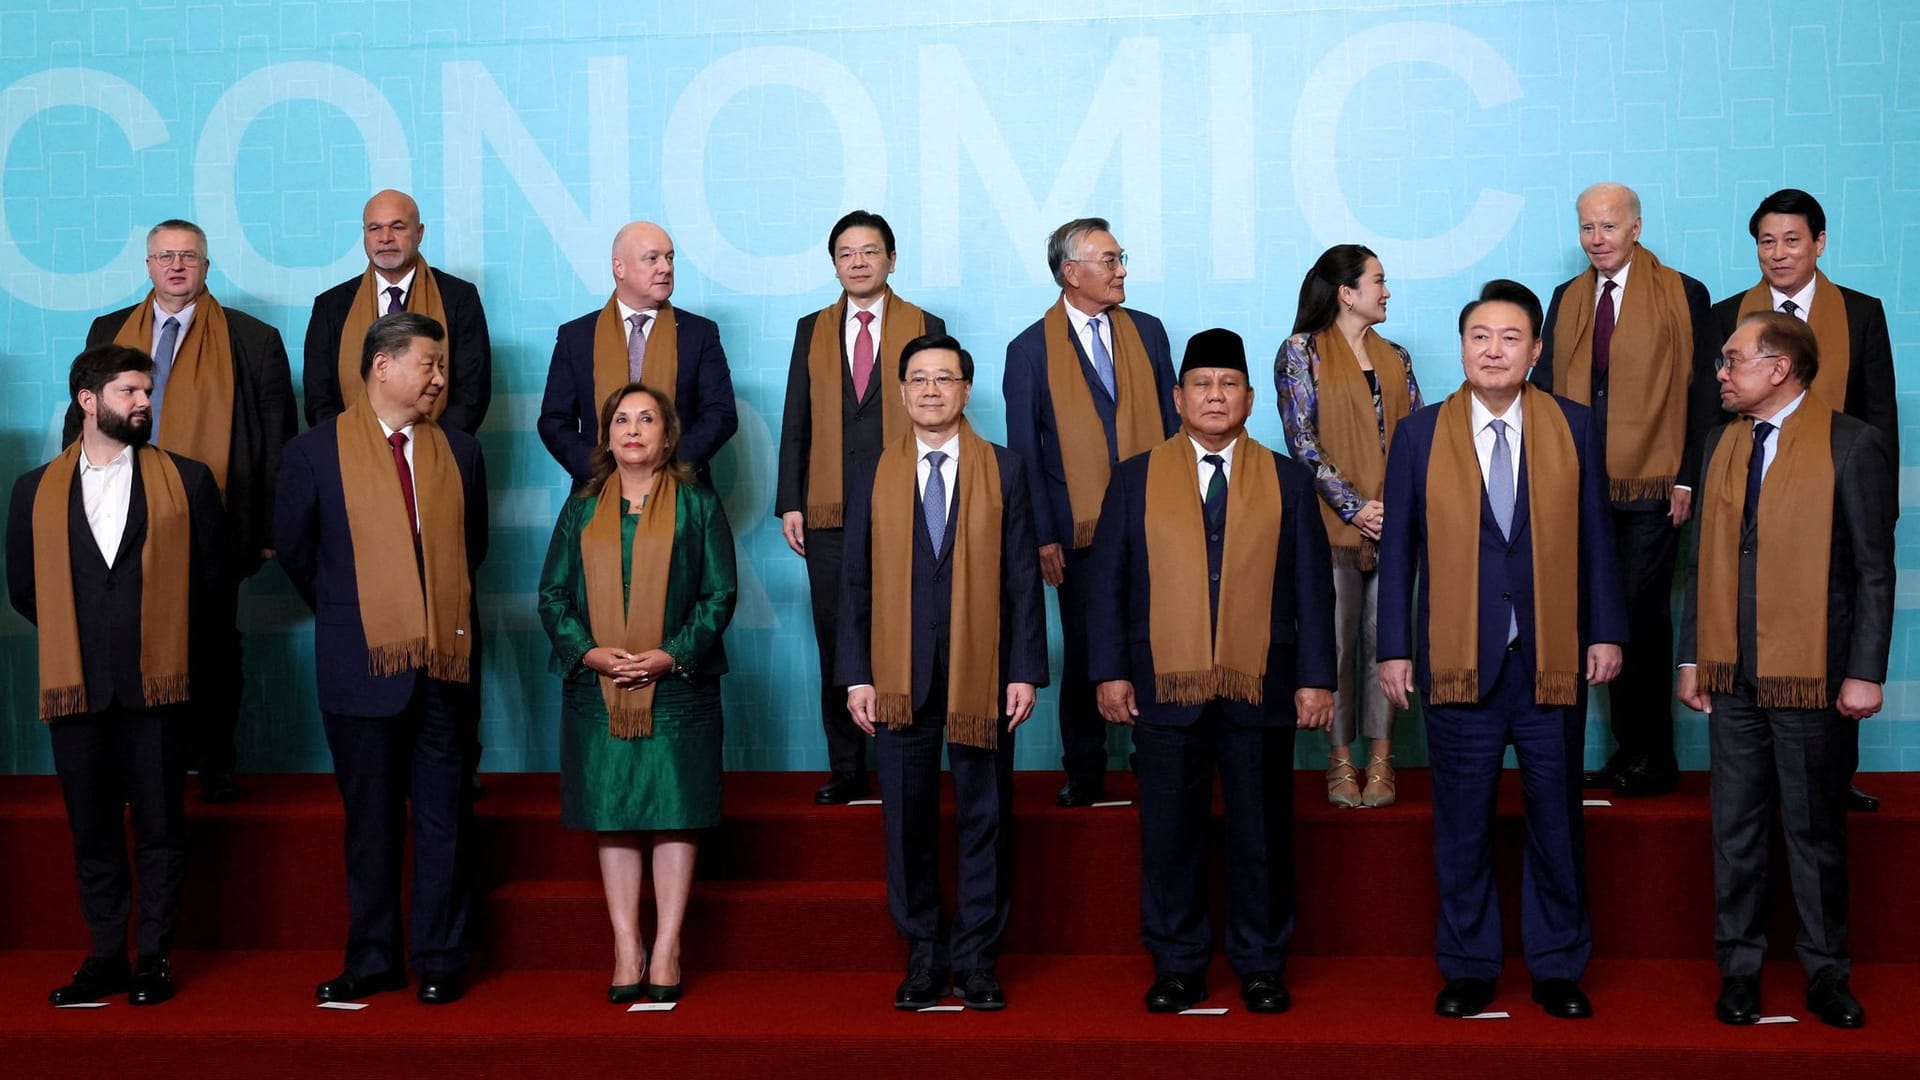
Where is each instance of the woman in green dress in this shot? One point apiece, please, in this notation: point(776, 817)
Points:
point(638, 585)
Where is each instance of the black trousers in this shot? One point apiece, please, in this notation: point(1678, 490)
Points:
point(423, 759)
point(1083, 731)
point(110, 764)
point(1640, 699)
point(219, 686)
point(846, 743)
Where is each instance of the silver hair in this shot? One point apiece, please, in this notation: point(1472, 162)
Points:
point(1066, 239)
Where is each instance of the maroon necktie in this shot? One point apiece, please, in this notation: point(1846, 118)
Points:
point(398, 440)
point(1603, 331)
point(862, 355)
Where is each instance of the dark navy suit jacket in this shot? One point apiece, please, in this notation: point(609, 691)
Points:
point(316, 551)
point(1506, 565)
point(1023, 613)
point(1033, 433)
point(1119, 611)
point(703, 394)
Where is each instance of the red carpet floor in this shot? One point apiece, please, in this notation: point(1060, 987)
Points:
point(791, 960)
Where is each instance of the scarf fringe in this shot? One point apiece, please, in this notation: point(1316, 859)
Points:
point(57, 701)
point(1717, 676)
point(1083, 533)
point(981, 732)
point(1556, 687)
point(1791, 692)
point(1200, 687)
point(1455, 686)
point(630, 723)
point(164, 689)
point(827, 516)
point(893, 710)
point(448, 667)
point(386, 660)
point(1363, 556)
point(1640, 489)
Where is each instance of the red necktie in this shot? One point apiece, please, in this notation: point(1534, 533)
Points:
point(1603, 331)
point(398, 440)
point(862, 355)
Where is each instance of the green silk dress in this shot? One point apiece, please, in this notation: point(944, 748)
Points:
point(671, 779)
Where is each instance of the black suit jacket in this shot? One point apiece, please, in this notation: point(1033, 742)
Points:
point(1703, 393)
point(1870, 390)
point(469, 373)
point(702, 394)
point(1119, 610)
point(1023, 613)
point(107, 598)
point(1860, 573)
point(263, 420)
point(860, 423)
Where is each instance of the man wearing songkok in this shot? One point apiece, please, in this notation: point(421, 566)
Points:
point(1783, 644)
point(1500, 505)
point(116, 552)
point(397, 278)
point(395, 649)
point(224, 378)
point(1789, 230)
point(1211, 635)
point(1626, 338)
point(943, 640)
point(843, 406)
point(638, 336)
point(1087, 386)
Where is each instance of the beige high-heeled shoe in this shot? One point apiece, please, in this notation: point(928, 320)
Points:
point(1380, 787)
point(1343, 785)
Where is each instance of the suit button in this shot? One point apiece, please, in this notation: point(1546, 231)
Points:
point(1215, 538)
point(1216, 577)
point(1507, 596)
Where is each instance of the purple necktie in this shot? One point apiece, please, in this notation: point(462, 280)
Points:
point(396, 300)
point(637, 344)
point(1603, 331)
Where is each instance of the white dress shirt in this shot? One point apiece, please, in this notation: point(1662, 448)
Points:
point(851, 331)
point(406, 288)
point(1205, 469)
point(1773, 437)
point(1483, 419)
point(104, 493)
point(1619, 280)
point(408, 451)
point(949, 469)
point(1802, 300)
point(1081, 324)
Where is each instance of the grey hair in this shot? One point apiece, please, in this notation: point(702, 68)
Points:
point(1065, 239)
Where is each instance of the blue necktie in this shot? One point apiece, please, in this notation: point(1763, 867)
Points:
point(1501, 495)
point(1756, 467)
point(934, 502)
point(1102, 360)
point(162, 369)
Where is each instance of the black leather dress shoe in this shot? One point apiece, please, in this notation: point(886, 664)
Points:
point(1264, 992)
point(1606, 775)
point(1174, 993)
point(96, 978)
point(1739, 1000)
point(841, 788)
point(1562, 998)
point(1080, 795)
point(347, 986)
point(1643, 780)
point(152, 982)
point(1830, 1000)
point(1860, 802)
point(441, 988)
point(217, 788)
point(920, 989)
point(979, 990)
point(1464, 997)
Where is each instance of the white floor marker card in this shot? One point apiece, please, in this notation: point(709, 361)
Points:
point(1490, 1016)
point(1778, 1020)
point(943, 1008)
point(344, 1006)
point(1596, 802)
point(652, 1006)
point(1199, 1012)
point(1112, 802)
point(85, 1005)
point(863, 802)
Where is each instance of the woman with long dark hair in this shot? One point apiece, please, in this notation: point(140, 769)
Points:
point(1342, 388)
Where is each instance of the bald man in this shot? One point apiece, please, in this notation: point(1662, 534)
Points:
point(397, 278)
point(639, 336)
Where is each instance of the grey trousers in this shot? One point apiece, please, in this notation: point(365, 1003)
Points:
point(1357, 701)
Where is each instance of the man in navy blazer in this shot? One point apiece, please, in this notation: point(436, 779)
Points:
point(1091, 270)
point(703, 387)
point(400, 741)
point(936, 377)
point(1247, 737)
point(1467, 740)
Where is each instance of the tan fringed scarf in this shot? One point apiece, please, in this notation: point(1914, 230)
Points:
point(406, 629)
point(1083, 442)
point(423, 298)
point(659, 368)
point(165, 576)
point(1828, 321)
point(1196, 659)
point(1454, 490)
point(973, 662)
point(1350, 430)
point(199, 402)
point(630, 617)
point(1649, 365)
point(900, 323)
point(1795, 546)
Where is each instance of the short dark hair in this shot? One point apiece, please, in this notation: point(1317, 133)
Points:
point(1505, 291)
point(937, 341)
point(1339, 265)
point(1789, 201)
point(93, 369)
point(861, 219)
point(1790, 337)
point(600, 463)
point(393, 334)
point(1060, 244)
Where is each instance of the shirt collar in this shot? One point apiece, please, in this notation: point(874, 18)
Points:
point(877, 305)
point(1226, 455)
point(1482, 416)
point(627, 313)
point(184, 315)
point(1619, 277)
point(388, 432)
point(1078, 319)
point(405, 281)
point(124, 457)
point(1786, 410)
point(951, 448)
point(1802, 300)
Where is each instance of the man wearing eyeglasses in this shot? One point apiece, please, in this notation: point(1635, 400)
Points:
point(638, 336)
point(1789, 230)
point(1784, 640)
point(1087, 386)
point(843, 405)
point(943, 639)
point(223, 396)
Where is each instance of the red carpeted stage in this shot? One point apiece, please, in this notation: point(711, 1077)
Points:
point(791, 961)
